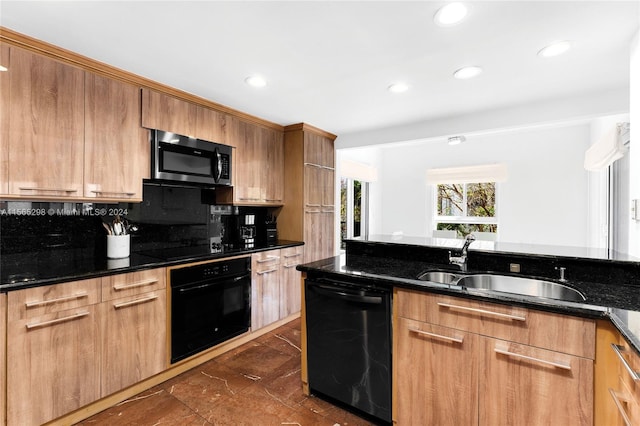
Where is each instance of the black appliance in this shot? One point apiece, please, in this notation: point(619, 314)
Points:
point(210, 303)
point(349, 345)
point(184, 159)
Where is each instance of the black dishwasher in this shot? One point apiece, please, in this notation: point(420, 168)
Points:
point(349, 344)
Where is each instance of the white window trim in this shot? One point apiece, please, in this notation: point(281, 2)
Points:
point(464, 219)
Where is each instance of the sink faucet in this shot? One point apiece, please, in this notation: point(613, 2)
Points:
point(461, 259)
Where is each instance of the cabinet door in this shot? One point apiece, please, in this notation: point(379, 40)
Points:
point(117, 149)
point(164, 112)
point(265, 288)
point(273, 177)
point(313, 187)
point(4, 120)
point(211, 125)
point(313, 235)
point(134, 345)
point(246, 184)
point(436, 375)
point(328, 189)
point(523, 385)
point(46, 125)
point(54, 365)
point(290, 298)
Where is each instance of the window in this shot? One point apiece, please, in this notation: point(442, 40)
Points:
point(466, 207)
point(353, 208)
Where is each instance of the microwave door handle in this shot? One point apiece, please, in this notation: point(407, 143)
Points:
point(219, 165)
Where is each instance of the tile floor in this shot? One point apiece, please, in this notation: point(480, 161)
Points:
point(257, 383)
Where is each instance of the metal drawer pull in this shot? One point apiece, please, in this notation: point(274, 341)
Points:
point(118, 287)
point(57, 321)
point(541, 361)
point(58, 300)
point(483, 311)
point(621, 410)
point(618, 349)
point(312, 205)
point(289, 256)
point(268, 271)
point(273, 199)
point(291, 265)
point(313, 211)
point(128, 194)
point(268, 259)
point(48, 189)
point(249, 199)
point(437, 336)
point(134, 302)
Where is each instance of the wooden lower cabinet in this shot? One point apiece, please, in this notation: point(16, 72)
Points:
point(290, 297)
point(134, 339)
point(266, 277)
point(436, 375)
point(451, 370)
point(524, 385)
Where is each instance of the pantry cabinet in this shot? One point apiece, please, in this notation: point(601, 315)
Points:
point(266, 278)
point(308, 212)
point(515, 361)
point(46, 127)
point(53, 351)
point(117, 152)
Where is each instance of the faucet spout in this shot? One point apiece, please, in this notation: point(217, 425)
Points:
point(461, 259)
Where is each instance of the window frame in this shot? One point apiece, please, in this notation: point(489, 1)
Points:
point(465, 219)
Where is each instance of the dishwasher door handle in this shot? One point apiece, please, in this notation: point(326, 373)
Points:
point(342, 294)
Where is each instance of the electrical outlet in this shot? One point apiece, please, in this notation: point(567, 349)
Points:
point(514, 267)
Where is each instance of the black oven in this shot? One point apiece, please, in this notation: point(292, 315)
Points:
point(184, 159)
point(210, 303)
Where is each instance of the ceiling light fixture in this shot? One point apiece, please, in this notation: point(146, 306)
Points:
point(3, 68)
point(554, 49)
point(467, 72)
point(451, 14)
point(456, 140)
point(398, 88)
point(255, 81)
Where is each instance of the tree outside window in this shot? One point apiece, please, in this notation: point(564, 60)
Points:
point(467, 208)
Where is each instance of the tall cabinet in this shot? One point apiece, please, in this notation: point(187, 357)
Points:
point(308, 212)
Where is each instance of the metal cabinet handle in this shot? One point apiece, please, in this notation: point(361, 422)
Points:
point(290, 265)
point(530, 358)
point(314, 165)
point(134, 302)
point(618, 349)
point(273, 199)
point(620, 408)
point(312, 205)
point(57, 321)
point(483, 311)
point(35, 188)
point(268, 259)
point(249, 199)
point(118, 287)
point(58, 300)
point(289, 256)
point(268, 271)
point(437, 336)
point(128, 194)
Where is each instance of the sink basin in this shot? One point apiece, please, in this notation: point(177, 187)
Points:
point(523, 286)
point(442, 277)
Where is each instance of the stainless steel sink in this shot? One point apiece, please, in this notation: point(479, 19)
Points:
point(442, 277)
point(518, 285)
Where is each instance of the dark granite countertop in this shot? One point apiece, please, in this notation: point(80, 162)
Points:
point(33, 269)
point(618, 302)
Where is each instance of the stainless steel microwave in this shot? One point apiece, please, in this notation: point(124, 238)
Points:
point(189, 160)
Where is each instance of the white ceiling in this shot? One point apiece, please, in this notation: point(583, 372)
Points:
point(329, 63)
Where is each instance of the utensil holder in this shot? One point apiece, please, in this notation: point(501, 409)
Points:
point(118, 246)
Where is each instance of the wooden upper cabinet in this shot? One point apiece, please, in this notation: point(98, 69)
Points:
point(273, 174)
point(211, 125)
point(117, 150)
point(164, 112)
point(46, 127)
point(4, 120)
point(318, 150)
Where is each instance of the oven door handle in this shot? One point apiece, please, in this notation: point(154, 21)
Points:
point(212, 284)
point(343, 294)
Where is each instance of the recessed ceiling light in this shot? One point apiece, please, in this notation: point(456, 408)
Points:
point(554, 49)
point(398, 88)
point(450, 14)
point(456, 140)
point(255, 81)
point(3, 68)
point(467, 72)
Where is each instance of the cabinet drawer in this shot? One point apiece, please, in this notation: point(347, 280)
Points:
point(32, 302)
point(292, 256)
point(562, 333)
point(266, 262)
point(134, 283)
point(628, 363)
